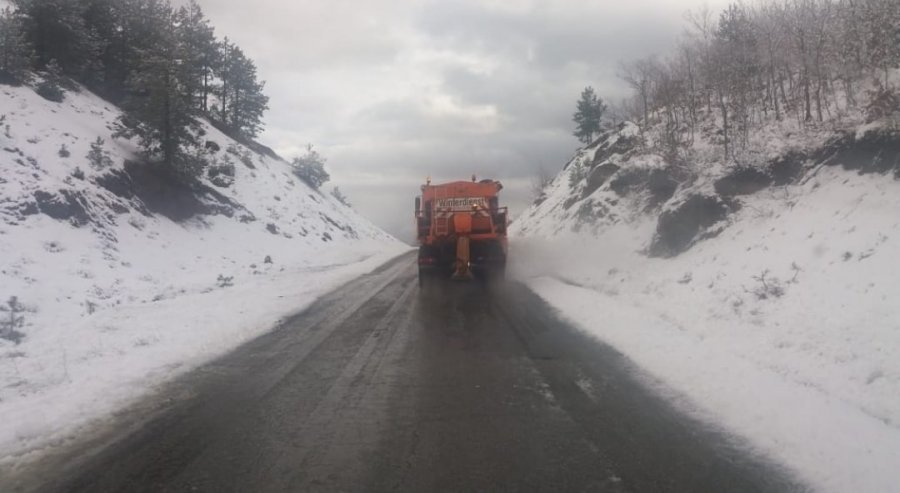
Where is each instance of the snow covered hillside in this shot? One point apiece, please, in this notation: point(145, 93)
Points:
point(762, 297)
point(125, 277)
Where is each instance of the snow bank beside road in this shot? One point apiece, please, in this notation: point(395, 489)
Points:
point(98, 365)
point(785, 328)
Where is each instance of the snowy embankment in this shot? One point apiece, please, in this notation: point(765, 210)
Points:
point(127, 281)
point(782, 325)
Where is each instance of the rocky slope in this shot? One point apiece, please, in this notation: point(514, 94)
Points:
point(618, 179)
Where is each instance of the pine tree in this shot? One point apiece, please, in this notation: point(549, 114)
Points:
point(16, 53)
point(104, 19)
point(127, 30)
point(57, 31)
point(201, 52)
point(158, 107)
point(577, 173)
point(589, 115)
point(98, 157)
point(240, 94)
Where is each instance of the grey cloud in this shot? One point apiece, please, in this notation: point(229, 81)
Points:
point(307, 35)
point(392, 91)
point(551, 35)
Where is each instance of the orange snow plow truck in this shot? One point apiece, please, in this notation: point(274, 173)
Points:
point(461, 230)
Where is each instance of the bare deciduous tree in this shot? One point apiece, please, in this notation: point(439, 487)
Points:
point(807, 60)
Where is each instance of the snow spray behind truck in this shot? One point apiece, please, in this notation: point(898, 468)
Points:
point(461, 230)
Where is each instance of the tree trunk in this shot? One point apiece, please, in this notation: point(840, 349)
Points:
point(204, 97)
point(644, 98)
point(848, 87)
point(784, 98)
point(724, 109)
point(807, 101)
point(775, 95)
point(168, 157)
point(819, 100)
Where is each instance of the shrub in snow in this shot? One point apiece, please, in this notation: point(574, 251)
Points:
point(221, 174)
point(243, 156)
point(311, 168)
point(49, 88)
point(78, 173)
point(190, 162)
point(64, 151)
point(770, 287)
point(98, 156)
point(883, 102)
point(225, 281)
point(51, 92)
point(11, 320)
point(336, 193)
point(53, 247)
point(247, 159)
point(671, 142)
point(577, 173)
point(539, 183)
point(212, 146)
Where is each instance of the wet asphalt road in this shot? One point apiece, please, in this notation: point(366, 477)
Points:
point(381, 386)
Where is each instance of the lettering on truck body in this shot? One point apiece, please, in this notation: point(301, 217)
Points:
point(460, 203)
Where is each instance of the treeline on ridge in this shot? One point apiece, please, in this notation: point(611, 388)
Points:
point(808, 63)
point(164, 66)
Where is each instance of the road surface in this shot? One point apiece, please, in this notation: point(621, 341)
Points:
point(381, 386)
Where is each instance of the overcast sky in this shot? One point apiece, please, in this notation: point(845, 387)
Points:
point(394, 91)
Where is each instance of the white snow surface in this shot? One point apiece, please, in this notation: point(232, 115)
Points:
point(120, 305)
point(810, 377)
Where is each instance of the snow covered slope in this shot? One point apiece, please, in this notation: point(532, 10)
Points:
point(762, 298)
point(127, 277)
